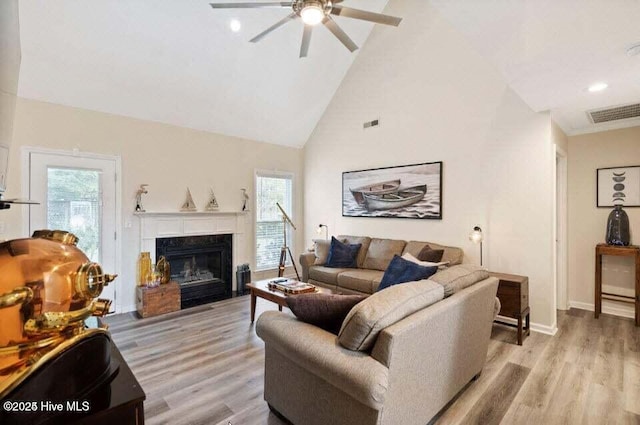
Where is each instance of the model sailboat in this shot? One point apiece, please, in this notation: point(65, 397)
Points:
point(212, 205)
point(188, 204)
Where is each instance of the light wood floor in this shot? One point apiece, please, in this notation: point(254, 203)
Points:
point(205, 366)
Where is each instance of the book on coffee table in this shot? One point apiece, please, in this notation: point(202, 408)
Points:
point(290, 286)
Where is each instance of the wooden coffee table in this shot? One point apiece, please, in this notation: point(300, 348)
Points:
point(261, 289)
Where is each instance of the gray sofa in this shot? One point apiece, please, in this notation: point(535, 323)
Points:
point(373, 258)
point(416, 366)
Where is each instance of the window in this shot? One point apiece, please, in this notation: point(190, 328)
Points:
point(272, 187)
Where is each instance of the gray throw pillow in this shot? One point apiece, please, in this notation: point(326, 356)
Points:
point(429, 254)
point(322, 251)
point(326, 311)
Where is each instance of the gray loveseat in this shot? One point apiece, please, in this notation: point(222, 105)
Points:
point(416, 366)
point(373, 258)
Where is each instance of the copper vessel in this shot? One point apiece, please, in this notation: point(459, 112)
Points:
point(48, 287)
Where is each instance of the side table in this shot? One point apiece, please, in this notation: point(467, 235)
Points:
point(621, 251)
point(513, 293)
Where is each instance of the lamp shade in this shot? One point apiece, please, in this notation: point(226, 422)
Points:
point(326, 230)
point(476, 235)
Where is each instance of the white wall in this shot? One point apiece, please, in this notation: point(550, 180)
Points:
point(438, 100)
point(587, 223)
point(168, 158)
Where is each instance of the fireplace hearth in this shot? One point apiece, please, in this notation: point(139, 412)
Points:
point(201, 265)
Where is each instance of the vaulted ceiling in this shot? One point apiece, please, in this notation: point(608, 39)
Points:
point(178, 62)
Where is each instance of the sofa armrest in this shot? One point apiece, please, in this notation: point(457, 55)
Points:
point(436, 351)
point(317, 351)
point(307, 259)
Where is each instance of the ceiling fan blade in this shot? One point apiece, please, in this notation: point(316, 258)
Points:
point(273, 27)
point(341, 35)
point(306, 39)
point(19, 201)
point(378, 18)
point(250, 5)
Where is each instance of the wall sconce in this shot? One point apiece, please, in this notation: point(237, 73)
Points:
point(326, 230)
point(476, 237)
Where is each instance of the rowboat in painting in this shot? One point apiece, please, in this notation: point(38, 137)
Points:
point(398, 199)
point(381, 188)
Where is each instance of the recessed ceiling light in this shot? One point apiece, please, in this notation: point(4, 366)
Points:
point(235, 25)
point(597, 87)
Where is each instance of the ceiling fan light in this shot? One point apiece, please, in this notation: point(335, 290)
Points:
point(312, 14)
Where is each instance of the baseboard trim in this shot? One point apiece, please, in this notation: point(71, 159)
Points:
point(535, 327)
point(128, 308)
point(607, 308)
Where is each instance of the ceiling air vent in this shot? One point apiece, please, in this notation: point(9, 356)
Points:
point(615, 114)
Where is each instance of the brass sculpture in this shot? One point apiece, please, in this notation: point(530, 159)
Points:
point(48, 287)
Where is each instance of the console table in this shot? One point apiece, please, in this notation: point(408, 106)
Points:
point(620, 251)
point(513, 293)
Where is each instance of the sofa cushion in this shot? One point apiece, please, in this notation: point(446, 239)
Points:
point(458, 277)
point(453, 255)
point(364, 322)
point(364, 240)
point(326, 311)
point(326, 274)
point(429, 254)
point(362, 280)
point(342, 254)
point(381, 252)
point(401, 271)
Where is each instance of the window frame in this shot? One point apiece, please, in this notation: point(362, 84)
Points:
point(262, 173)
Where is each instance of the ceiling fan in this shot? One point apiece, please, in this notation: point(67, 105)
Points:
point(312, 13)
point(5, 204)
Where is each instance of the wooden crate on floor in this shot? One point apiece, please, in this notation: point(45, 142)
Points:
point(159, 300)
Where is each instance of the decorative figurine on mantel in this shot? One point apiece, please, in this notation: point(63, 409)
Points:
point(212, 205)
point(245, 199)
point(142, 191)
point(188, 204)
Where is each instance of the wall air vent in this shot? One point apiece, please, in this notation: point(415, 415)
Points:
point(614, 114)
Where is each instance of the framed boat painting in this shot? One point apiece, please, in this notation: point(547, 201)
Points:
point(405, 191)
point(618, 186)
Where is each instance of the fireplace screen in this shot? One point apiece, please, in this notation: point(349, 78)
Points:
point(197, 268)
point(201, 265)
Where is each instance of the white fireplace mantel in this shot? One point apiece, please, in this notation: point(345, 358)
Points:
point(154, 225)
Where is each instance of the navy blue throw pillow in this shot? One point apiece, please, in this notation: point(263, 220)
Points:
point(401, 270)
point(342, 254)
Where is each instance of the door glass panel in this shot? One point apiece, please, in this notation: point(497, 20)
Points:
point(73, 201)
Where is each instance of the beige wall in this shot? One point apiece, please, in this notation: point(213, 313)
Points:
point(168, 158)
point(587, 223)
point(559, 138)
point(438, 100)
point(9, 67)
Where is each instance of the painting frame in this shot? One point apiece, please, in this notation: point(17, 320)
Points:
point(618, 186)
point(399, 184)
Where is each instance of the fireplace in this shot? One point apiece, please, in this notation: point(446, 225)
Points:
point(202, 265)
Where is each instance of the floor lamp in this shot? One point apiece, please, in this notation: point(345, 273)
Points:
point(476, 237)
point(285, 249)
